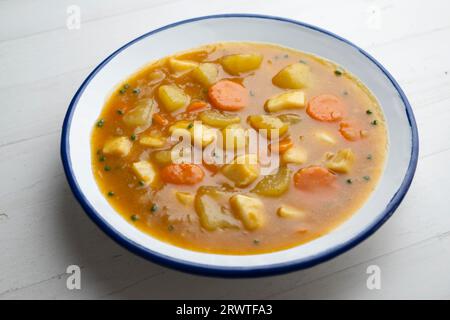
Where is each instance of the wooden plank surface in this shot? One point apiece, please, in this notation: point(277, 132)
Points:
point(43, 229)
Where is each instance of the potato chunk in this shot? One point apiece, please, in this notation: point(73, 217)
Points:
point(341, 161)
point(172, 97)
point(236, 64)
point(296, 155)
point(153, 142)
point(286, 100)
point(206, 74)
point(268, 123)
point(290, 212)
point(120, 146)
point(185, 198)
point(144, 171)
point(141, 115)
point(294, 76)
point(211, 205)
point(181, 66)
point(234, 137)
point(202, 135)
point(243, 170)
point(325, 137)
point(249, 210)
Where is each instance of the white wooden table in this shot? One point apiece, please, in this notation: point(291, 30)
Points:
point(43, 229)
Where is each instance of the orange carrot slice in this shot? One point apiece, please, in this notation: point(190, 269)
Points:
point(314, 178)
point(351, 130)
point(326, 107)
point(228, 95)
point(183, 173)
point(160, 119)
point(196, 106)
point(283, 145)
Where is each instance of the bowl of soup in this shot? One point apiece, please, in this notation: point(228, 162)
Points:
point(239, 145)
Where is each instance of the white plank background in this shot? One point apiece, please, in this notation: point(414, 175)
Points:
point(43, 229)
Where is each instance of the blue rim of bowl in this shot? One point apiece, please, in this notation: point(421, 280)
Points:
point(252, 271)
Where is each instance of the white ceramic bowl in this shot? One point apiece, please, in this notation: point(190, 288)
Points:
point(89, 99)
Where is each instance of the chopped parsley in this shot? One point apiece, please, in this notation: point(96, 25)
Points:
point(100, 123)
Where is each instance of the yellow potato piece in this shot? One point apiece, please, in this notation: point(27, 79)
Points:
point(144, 170)
point(153, 142)
point(234, 137)
point(181, 66)
point(249, 210)
point(120, 146)
point(286, 100)
point(325, 137)
point(294, 76)
point(295, 154)
point(172, 97)
point(341, 162)
point(141, 115)
point(268, 123)
point(290, 212)
point(185, 198)
point(211, 206)
point(236, 64)
point(242, 171)
point(206, 74)
point(202, 135)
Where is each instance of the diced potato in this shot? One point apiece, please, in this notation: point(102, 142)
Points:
point(218, 119)
point(211, 205)
point(325, 137)
point(249, 210)
point(172, 97)
point(236, 64)
point(202, 135)
point(185, 198)
point(286, 100)
point(274, 185)
point(162, 157)
point(234, 137)
point(145, 171)
point(181, 124)
point(153, 142)
point(294, 76)
point(181, 66)
point(206, 74)
point(341, 162)
point(290, 212)
point(120, 146)
point(268, 123)
point(242, 171)
point(141, 115)
point(296, 155)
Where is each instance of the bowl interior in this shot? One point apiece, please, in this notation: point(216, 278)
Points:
point(91, 97)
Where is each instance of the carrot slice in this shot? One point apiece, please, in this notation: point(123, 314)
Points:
point(326, 107)
point(160, 119)
point(183, 173)
point(283, 145)
point(351, 130)
point(228, 95)
point(314, 178)
point(196, 106)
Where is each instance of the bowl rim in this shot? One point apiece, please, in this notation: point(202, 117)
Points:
point(247, 271)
